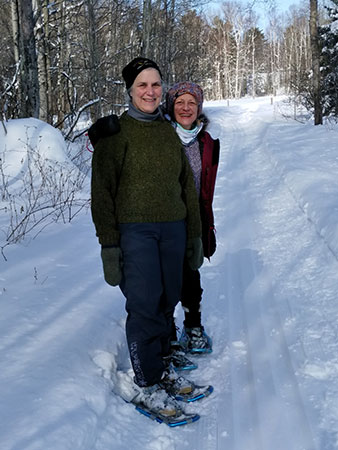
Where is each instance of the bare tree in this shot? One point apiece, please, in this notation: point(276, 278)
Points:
point(274, 57)
point(237, 15)
point(94, 60)
point(83, 45)
point(23, 25)
point(15, 30)
point(146, 28)
point(221, 50)
point(43, 55)
point(316, 78)
point(296, 50)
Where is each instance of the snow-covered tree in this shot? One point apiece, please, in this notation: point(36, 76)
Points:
point(329, 36)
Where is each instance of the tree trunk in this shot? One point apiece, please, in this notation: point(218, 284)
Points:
point(15, 30)
point(253, 62)
point(16, 48)
point(61, 85)
point(43, 62)
point(146, 28)
point(94, 76)
point(29, 82)
point(316, 80)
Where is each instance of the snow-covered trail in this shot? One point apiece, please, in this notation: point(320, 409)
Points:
point(263, 402)
point(265, 406)
point(270, 305)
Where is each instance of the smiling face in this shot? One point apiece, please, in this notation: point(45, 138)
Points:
point(185, 110)
point(146, 91)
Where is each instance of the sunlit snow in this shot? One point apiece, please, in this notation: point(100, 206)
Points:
point(270, 302)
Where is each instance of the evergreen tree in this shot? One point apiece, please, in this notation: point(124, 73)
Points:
point(329, 37)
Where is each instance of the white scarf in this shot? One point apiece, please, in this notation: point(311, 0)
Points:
point(187, 136)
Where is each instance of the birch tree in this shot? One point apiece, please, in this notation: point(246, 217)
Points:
point(44, 59)
point(221, 50)
point(274, 35)
point(296, 50)
point(78, 49)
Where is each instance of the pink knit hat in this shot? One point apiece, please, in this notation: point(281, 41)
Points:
point(178, 89)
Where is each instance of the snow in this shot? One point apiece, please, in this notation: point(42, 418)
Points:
point(33, 133)
point(270, 304)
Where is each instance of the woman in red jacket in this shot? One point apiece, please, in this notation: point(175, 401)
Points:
point(184, 103)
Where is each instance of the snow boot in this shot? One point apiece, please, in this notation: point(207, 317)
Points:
point(178, 359)
point(182, 389)
point(156, 404)
point(195, 340)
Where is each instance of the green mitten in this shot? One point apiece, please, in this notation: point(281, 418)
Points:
point(112, 264)
point(194, 253)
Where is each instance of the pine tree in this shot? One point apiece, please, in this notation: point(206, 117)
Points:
point(329, 37)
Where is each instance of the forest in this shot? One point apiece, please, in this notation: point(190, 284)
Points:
point(62, 59)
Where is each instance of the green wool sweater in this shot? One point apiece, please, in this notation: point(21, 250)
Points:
point(139, 175)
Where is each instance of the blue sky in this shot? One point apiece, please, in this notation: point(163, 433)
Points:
point(282, 5)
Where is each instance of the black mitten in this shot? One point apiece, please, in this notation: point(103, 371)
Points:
point(104, 127)
point(112, 265)
point(194, 253)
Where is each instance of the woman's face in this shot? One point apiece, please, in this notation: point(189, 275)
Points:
point(146, 91)
point(185, 110)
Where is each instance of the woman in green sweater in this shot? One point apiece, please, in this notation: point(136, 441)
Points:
point(146, 213)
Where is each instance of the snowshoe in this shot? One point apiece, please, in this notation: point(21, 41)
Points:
point(182, 389)
point(195, 340)
point(156, 404)
point(178, 359)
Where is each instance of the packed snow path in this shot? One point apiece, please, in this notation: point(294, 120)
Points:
point(270, 305)
point(270, 264)
point(262, 406)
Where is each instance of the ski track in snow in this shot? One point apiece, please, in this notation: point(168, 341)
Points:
point(264, 405)
point(267, 407)
point(269, 305)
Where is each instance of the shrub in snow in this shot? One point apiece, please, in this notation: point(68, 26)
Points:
point(39, 183)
